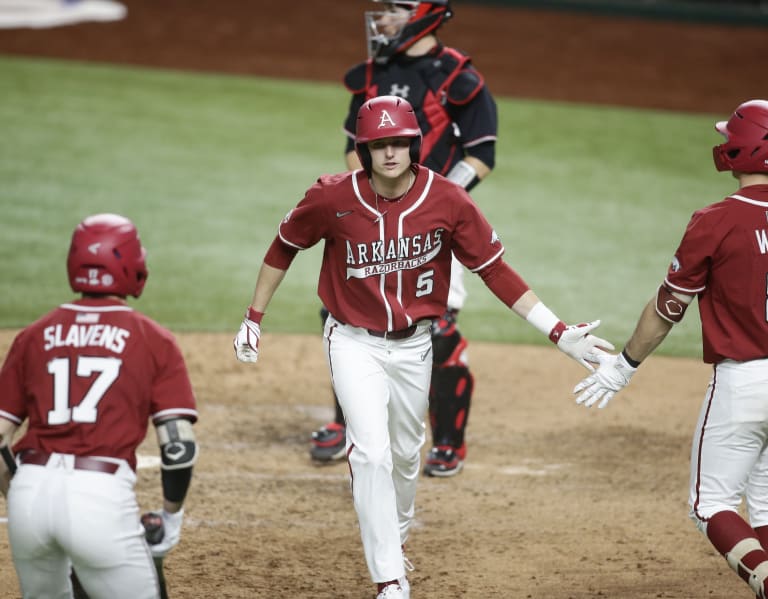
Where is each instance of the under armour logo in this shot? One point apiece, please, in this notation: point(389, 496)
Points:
point(94, 248)
point(395, 90)
point(386, 120)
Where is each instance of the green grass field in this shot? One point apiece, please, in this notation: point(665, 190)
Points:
point(590, 202)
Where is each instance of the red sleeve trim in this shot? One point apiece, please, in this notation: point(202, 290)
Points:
point(504, 282)
point(280, 255)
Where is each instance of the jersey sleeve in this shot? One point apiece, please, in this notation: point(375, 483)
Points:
point(477, 120)
point(475, 243)
point(172, 393)
point(690, 265)
point(307, 223)
point(12, 405)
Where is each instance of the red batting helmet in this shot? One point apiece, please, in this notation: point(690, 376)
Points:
point(424, 18)
point(746, 134)
point(106, 257)
point(386, 116)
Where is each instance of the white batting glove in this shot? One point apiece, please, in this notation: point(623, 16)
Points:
point(613, 375)
point(246, 341)
point(575, 340)
point(171, 533)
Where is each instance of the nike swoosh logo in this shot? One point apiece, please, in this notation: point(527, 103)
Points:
point(343, 214)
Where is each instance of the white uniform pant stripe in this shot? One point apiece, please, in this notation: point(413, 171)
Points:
point(383, 389)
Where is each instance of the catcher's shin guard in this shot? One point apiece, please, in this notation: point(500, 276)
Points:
point(452, 385)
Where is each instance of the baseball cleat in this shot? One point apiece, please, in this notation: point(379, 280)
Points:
point(329, 443)
point(443, 461)
point(391, 591)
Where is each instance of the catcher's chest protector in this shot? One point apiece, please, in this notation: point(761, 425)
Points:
point(434, 84)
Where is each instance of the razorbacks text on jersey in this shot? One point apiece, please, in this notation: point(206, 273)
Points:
point(387, 264)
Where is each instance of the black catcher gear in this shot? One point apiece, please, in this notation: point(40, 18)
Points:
point(452, 384)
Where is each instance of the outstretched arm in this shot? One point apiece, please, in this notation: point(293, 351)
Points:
point(574, 340)
point(615, 371)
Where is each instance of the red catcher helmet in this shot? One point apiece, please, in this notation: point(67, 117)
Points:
point(386, 116)
point(424, 18)
point(106, 257)
point(746, 134)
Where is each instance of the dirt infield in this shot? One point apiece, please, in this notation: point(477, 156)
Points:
point(556, 502)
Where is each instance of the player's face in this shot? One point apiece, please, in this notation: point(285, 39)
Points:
point(390, 21)
point(390, 156)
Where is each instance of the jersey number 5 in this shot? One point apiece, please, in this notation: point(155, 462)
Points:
point(108, 369)
point(425, 284)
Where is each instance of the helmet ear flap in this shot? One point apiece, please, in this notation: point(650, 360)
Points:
point(745, 148)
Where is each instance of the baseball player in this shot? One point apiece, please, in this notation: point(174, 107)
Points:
point(723, 260)
point(457, 116)
point(388, 230)
point(86, 378)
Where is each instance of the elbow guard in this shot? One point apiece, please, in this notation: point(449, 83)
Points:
point(178, 448)
point(670, 307)
point(178, 452)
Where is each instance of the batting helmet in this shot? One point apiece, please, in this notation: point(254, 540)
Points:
point(386, 116)
point(106, 257)
point(387, 34)
point(746, 132)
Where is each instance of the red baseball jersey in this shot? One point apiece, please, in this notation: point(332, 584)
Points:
point(723, 258)
point(387, 264)
point(89, 375)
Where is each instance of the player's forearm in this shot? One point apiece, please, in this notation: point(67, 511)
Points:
point(268, 281)
point(650, 331)
point(481, 169)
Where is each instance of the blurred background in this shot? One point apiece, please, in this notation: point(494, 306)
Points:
point(205, 121)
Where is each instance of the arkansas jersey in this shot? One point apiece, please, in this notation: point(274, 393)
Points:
point(387, 264)
point(723, 258)
point(89, 375)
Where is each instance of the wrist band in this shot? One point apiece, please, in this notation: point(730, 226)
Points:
point(544, 320)
point(253, 315)
point(630, 361)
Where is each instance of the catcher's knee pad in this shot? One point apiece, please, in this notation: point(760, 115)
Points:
point(449, 398)
point(448, 346)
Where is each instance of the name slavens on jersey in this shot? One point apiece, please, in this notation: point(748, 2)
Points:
point(78, 335)
point(382, 257)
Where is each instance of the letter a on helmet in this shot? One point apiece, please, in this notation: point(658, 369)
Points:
point(386, 116)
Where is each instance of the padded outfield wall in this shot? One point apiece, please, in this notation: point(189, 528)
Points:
point(740, 12)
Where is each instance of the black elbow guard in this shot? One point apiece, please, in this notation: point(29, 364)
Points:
point(178, 452)
point(178, 448)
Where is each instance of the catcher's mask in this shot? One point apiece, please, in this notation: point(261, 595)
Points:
point(106, 257)
point(386, 116)
point(402, 23)
point(746, 133)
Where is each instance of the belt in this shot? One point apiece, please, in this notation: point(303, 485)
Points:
point(38, 458)
point(401, 334)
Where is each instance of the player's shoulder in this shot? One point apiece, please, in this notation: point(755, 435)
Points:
point(357, 77)
point(464, 81)
point(335, 180)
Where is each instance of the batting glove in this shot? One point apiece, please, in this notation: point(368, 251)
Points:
point(613, 375)
point(575, 340)
point(171, 533)
point(247, 339)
